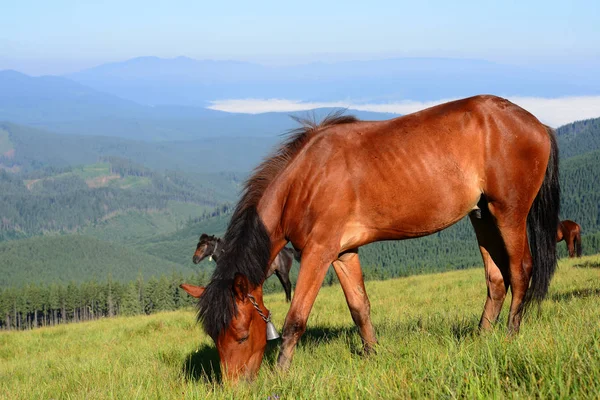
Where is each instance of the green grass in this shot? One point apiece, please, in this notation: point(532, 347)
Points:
point(131, 182)
point(92, 171)
point(98, 175)
point(429, 347)
point(86, 172)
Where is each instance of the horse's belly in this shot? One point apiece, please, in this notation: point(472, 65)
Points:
point(409, 214)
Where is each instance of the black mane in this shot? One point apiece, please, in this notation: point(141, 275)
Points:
point(247, 251)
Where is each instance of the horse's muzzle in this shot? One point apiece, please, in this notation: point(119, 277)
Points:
point(196, 259)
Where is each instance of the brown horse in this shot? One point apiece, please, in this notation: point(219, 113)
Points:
point(570, 232)
point(335, 186)
point(212, 246)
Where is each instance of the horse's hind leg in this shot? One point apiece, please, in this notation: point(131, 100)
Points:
point(349, 273)
point(571, 245)
point(285, 282)
point(578, 244)
point(495, 261)
point(521, 265)
point(512, 225)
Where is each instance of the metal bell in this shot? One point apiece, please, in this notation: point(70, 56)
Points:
point(272, 333)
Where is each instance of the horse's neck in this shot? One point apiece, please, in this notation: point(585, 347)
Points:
point(217, 249)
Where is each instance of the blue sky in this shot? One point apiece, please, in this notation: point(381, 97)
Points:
point(59, 36)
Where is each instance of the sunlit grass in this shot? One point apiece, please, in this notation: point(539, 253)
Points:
point(429, 347)
point(91, 171)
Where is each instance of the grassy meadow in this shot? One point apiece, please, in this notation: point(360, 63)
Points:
point(429, 347)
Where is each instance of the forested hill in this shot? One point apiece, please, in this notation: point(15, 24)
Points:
point(60, 259)
point(26, 148)
point(71, 198)
point(579, 137)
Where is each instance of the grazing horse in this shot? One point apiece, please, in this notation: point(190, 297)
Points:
point(570, 232)
point(338, 185)
point(212, 246)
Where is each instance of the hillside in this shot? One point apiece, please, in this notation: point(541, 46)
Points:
point(579, 137)
point(179, 246)
point(64, 258)
point(30, 148)
point(580, 191)
point(71, 198)
point(428, 347)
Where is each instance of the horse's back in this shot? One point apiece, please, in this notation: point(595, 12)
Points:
point(416, 174)
point(571, 226)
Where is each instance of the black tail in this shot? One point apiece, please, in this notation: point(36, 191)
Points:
point(578, 249)
point(542, 223)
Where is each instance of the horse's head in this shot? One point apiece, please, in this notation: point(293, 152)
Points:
point(242, 343)
point(207, 246)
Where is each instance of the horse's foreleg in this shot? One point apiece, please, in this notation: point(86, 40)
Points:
point(349, 273)
point(313, 268)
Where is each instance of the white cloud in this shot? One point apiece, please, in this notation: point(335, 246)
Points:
point(552, 111)
point(257, 106)
point(559, 111)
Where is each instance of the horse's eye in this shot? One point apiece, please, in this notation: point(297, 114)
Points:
point(242, 340)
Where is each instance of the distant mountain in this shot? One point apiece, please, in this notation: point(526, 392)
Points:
point(31, 148)
point(153, 80)
point(181, 80)
point(53, 98)
point(61, 105)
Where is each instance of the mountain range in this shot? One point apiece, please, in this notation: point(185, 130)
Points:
point(185, 81)
point(62, 105)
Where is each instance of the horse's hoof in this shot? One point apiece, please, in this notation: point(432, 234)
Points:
point(369, 350)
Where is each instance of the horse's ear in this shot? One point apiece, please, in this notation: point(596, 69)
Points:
point(203, 236)
point(192, 290)
point(240, 286)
